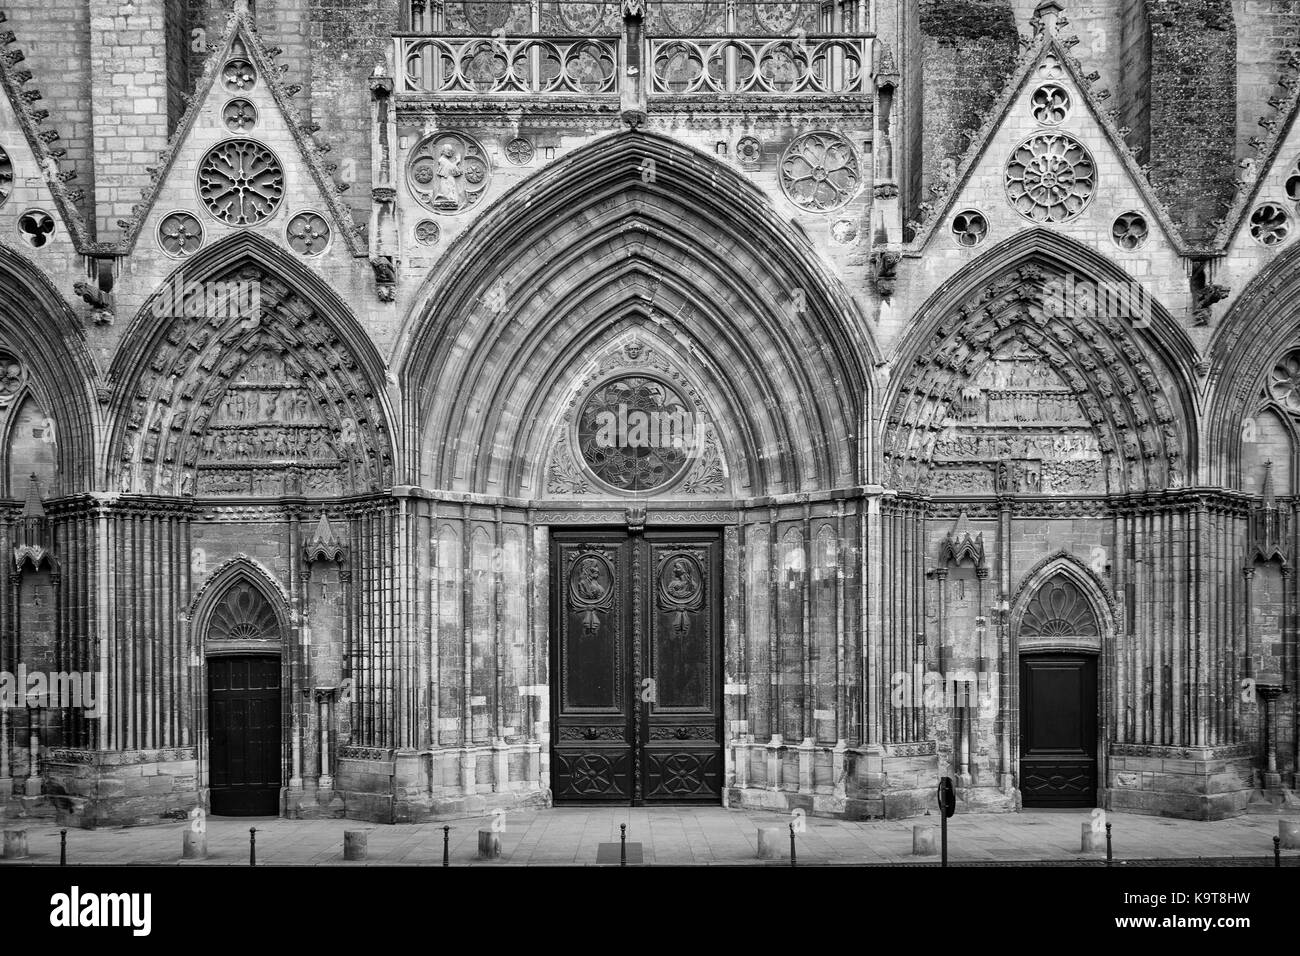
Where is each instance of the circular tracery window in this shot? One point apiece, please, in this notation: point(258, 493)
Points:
point(636, 433)
point(819, 171)
point(241, 182)
point(6, 176)
point(1050, 177)
point(1284, 382)
point(1051, 104)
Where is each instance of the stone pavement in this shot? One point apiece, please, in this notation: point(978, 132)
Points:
point(677, 836)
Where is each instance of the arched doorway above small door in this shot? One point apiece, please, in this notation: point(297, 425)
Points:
point(243, 643)
point(1059, 640)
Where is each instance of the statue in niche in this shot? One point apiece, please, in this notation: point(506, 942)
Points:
point(449, 193)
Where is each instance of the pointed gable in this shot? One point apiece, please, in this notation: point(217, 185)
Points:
point(1051, 156)
point(241, 123)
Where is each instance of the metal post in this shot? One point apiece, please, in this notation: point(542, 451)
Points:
point(63, 847)
point(792, 863)
point(622, 844)
point(1277, 851)
point(446, 846)
point(252, 846)
point(943, 837)
point(1108, 854)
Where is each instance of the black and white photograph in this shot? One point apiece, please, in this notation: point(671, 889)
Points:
point(463, 451)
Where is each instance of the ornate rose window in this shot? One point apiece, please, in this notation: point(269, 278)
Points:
point(1050, 177)
point(1284, 382)
point(241, 182)
point(636, 434)
point(819, 171)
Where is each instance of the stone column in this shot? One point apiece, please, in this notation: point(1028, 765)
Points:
point(33, 787)
point(326, 781)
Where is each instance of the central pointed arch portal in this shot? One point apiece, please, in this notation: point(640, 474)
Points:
point(636, 402)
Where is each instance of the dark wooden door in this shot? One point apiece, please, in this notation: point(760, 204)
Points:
point(636, 704)
point(244, 735)
point(1058, 730)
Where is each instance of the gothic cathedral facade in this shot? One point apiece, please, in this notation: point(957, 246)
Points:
point(412, 408)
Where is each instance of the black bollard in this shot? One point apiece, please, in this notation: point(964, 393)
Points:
point(943, 839)
point(252, 846)
point(622, 844)
point(792, 863)
point(1108, 844)
point(63, 848)
point(446, 846)
point(1277, 851)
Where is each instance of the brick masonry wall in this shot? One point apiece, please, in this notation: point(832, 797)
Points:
point(129, 96)
point(347, 39)
point(1193, 108)
point(968, 48)
point(1268, 32)
point(54, 36)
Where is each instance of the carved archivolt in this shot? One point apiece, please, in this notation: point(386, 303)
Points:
point(251, 394)
point(1028, 389)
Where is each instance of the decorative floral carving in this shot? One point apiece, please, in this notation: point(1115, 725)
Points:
point(6, 176)
point(1284, 381)
point(519, 151)
point(1270, 224)
point(819, 171)
point(1050, 104)
point(969, 227)
point(1050, 177)
point(1130, 231)
point(427, 232)
point(239, 115)
point(448, 172)
point(238, 76)
point(180, 234)
point(844, 231)
point(36, 226)
point(749, 151)
point(1059, 609)
point(243, 615)
point(308, 234)
point(1050, 68)
point(241, 182)
point(1292, 182)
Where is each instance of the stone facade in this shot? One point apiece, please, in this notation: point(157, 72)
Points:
point(303, 303)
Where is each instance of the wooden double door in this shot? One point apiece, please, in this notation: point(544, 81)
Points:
point(636, 667)
point(244, 735)
point(1058, 730)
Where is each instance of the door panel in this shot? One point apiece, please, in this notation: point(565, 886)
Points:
point(244, 735)
point(592, 752)
point(637, 703)
point(682, 751)
point(1058, 730)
